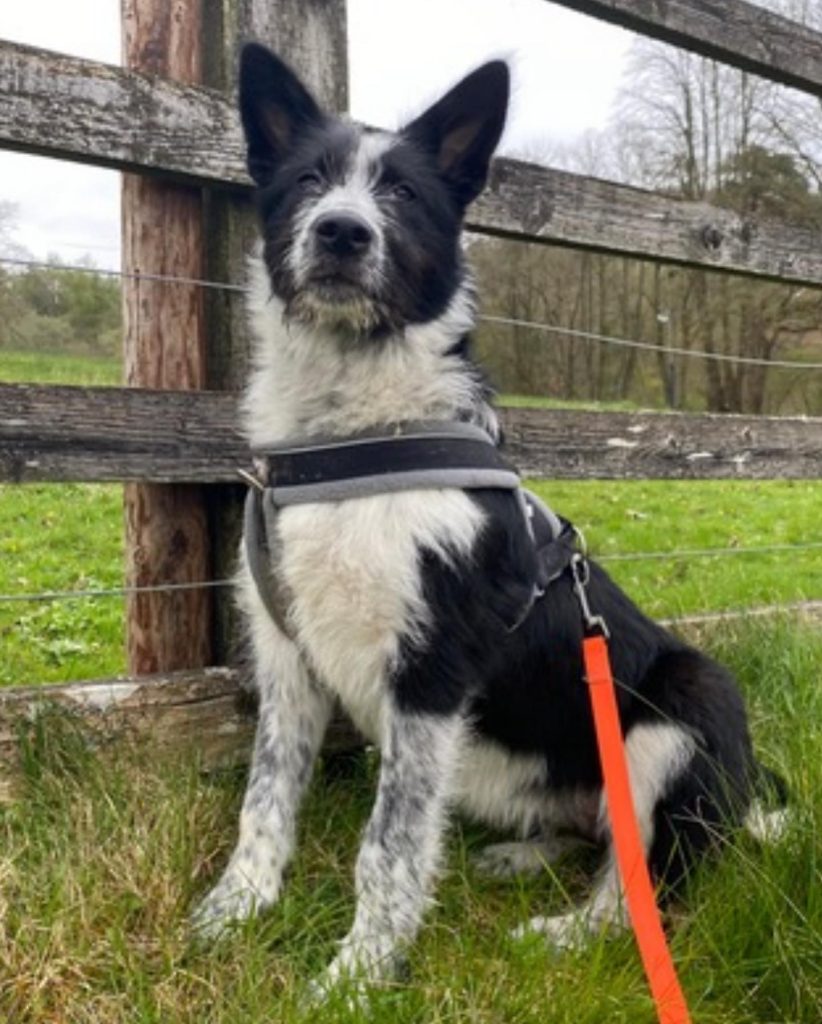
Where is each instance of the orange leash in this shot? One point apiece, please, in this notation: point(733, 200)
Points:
point(659, 968)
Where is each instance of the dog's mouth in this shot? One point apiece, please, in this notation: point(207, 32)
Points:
point(338, 303)
point(337, 298)
point(336, 288)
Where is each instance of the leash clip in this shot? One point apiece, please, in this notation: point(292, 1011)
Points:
point(595, 625)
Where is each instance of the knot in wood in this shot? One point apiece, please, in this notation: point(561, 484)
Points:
point(712, 237)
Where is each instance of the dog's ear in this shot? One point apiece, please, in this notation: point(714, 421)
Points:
point(275, 108)
point(462, 129)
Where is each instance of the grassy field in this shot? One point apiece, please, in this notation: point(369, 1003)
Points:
point(69, 537)
point(105, 852)
point(58, 368)
point(103, 857)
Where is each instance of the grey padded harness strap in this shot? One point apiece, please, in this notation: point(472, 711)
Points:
point(307, 472)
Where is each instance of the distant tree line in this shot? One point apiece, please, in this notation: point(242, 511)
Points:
point(53, 308)
point(693, 129)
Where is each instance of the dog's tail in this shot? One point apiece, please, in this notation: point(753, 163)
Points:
point(768, 816)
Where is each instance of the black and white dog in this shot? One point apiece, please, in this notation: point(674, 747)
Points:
point(398, 605)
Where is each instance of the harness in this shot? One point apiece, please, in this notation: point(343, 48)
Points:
point(417, 455)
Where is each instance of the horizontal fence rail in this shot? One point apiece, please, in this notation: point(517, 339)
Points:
point(206, 709)
point(58, 432)
point(209, 709)
point(81, 110)
point(742, 34)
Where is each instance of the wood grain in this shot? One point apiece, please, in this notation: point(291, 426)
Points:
point(742, 34)
point(205, 711)
point(85, 111)
point(166, 526)
point(104, 434)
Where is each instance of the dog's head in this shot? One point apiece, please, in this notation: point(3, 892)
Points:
point(361, 228)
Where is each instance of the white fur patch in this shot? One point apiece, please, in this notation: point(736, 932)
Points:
point(657, 754)
point(353, 571)
point(305, 382)
point(500, 788)
point(767, 826)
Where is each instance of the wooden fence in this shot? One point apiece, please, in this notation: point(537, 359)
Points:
point(168, 119)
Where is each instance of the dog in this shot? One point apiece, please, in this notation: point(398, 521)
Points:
point(400, 605)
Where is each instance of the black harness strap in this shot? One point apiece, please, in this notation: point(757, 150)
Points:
point(418, 455)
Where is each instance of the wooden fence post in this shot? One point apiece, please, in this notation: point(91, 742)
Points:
point(312, 37)
point(166, 526)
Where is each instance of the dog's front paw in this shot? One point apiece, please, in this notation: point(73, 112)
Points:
point(353, 973)
point(333, 987)
point(232, 900)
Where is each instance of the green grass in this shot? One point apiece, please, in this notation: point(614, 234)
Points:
point(69, 537)
point(103, 857)
point(619, 517)
point(541, 402)
point(60, 537)
point(58, 368)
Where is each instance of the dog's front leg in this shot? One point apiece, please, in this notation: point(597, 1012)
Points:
point(293, 716)
point(400, 852)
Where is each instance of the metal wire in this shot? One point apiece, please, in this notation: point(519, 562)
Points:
point(648, 346)
point(766, 549)
point(757, 611)
point(70, 595)
point(606, 339)
point(136, 275)
point(636, 556)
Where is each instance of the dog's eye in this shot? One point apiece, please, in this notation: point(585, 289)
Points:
point(403, 192)
point(309, 181)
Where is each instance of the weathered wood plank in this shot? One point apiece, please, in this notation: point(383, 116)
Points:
point(166, 526)
point(97, 434)
point(742, 34)
point(541, 204)
point(84, 111)
point(204, 710)
point(97, 113)
point(100, 434)
point(617, 445)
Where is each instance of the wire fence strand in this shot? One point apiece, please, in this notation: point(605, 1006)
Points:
point(96, 592)
point(809, 607)
point(626, 556)
point(489, 318)
point(134, 275)
point(647, 346)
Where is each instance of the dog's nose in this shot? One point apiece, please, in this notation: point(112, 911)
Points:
point(343, 235)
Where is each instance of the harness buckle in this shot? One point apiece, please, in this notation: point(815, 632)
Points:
point(595, 625)
point(251, 479)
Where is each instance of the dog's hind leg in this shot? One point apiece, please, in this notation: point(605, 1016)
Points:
point(294, 712)
point(658, 755)
point(400, 852)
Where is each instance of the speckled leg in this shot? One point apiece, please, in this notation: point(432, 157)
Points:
point(294, 713)
point(400, 853)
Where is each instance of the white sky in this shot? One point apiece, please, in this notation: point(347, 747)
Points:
point(403, 53)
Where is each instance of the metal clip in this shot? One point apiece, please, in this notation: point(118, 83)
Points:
point(581, 573)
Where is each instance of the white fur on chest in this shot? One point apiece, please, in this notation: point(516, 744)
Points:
point(353, 574)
